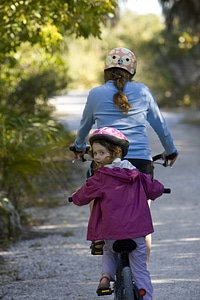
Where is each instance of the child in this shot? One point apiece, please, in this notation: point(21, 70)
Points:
point(120, 210)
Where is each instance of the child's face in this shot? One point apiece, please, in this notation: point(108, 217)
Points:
point(101, 154)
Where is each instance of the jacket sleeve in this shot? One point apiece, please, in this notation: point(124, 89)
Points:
point(89, 191)
point(86, 124)
point(159, 125)
point(153, 188)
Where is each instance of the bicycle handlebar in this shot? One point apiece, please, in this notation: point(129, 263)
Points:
point(73, 149)
point(70, 199)
point(164, 164)
point(154, 158)
point(159, 156)
point(167, 191)
point(168, 157)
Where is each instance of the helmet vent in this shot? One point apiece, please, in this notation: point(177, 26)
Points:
point(120, 62)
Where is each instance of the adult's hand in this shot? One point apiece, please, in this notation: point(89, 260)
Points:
point(78, 154)
point(171, 158)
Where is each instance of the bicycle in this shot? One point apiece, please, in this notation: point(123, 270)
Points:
point(124, 288)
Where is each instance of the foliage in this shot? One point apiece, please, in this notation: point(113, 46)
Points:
point(10, 226)
point(46, 21)
point(85, 61)
point(28, 146)
point(184, 12)
point(180, 52)
point(29, 77)
point(181, 48)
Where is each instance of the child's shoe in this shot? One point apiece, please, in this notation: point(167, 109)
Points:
point(104, 288)
point(97, 247)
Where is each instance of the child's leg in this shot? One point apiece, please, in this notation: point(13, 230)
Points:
point(108, 269)
point(139, 268)
point(148, 245)
point(91, 205)
point(109, 260)
point(148, 241)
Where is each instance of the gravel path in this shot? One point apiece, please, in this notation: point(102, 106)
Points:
point(57, 264)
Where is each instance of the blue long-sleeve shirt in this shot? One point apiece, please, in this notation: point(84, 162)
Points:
point(100, 109)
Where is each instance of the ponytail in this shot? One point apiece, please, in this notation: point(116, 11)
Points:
point(120, 77)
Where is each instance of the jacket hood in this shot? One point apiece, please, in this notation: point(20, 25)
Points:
point(122, 174)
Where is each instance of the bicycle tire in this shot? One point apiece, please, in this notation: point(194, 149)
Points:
point(118, 285)
point(119, 293)
point(128, 284)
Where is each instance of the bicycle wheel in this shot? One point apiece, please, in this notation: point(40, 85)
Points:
point(128, 284)
point(119, 293)
point(118, 284)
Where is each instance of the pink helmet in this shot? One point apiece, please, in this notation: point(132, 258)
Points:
point(121, 58)
point(111, 135)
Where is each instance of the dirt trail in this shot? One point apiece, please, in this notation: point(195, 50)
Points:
point(59, 265)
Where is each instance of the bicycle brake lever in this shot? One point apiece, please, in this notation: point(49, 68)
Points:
point(83, 158)
point(165, 164)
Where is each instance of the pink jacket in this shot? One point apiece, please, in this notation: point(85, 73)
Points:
point(120, 208)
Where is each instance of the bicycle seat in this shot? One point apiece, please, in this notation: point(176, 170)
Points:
point(127, 245)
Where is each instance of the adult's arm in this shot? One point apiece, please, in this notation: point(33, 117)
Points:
point(86, 124)
point(159, 125)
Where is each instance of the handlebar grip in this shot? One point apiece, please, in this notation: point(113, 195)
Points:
point(156, 157)
point(73, 149)
point(70, 199)
point(167, 191)
point(159, 156)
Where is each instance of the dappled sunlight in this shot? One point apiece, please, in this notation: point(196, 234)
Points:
point(190, 239)
point(61, 226)
point(176, 241)
point(74, 249)
point(172, 280)
point(184, 255)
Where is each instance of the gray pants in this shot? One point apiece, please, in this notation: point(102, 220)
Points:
point(138, 266)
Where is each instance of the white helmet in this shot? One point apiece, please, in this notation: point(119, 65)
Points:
point(121, 58)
